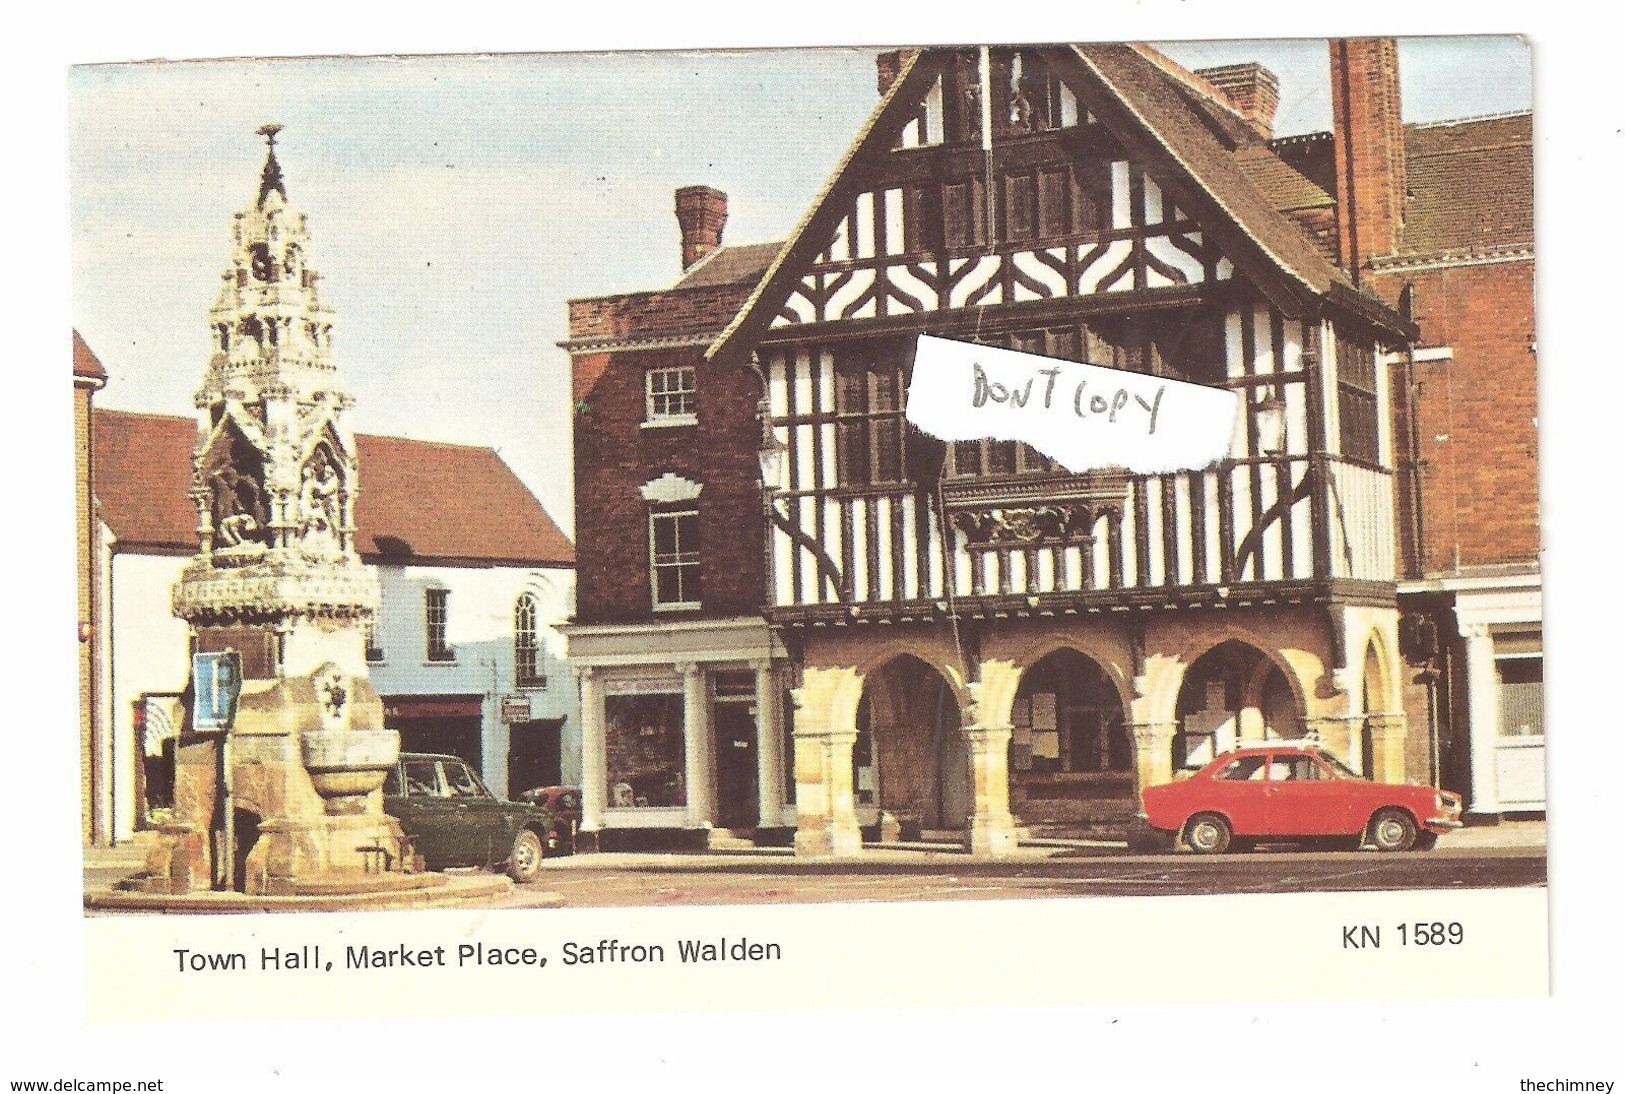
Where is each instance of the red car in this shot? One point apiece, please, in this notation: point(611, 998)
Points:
point(564, 803)
point(1295, 792)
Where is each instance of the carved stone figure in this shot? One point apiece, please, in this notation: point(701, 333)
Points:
point(239, 506)
point(319, 501)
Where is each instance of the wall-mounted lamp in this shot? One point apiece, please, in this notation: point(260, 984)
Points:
point(771, 457)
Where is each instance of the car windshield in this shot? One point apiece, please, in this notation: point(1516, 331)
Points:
point(1338, 766)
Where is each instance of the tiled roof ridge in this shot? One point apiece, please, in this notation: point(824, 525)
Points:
point(188, 419)
point(1193, 81)
point(1470, 118)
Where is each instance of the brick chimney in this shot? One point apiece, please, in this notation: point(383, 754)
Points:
point(701, 213)
point(1368, 149)
point(1252, 89)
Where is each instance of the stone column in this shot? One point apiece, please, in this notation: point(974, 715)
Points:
point(769, 749)
point(826, 822)
point(1153, 753)
point(991, 831)
point(698, 777)
point(594, 781)
point(1387, 747)
point(1339, 736)
point(1483, 719)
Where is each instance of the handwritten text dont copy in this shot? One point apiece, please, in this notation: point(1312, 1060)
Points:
point(1082, 416)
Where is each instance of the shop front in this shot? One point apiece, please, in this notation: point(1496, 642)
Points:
point(683, 744)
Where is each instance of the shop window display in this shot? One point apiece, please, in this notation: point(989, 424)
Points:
point(643, 750)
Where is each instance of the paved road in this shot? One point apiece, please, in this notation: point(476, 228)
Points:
point(609, 880)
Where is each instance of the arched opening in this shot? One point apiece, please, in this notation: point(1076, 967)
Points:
point(1232, 694)
point(1071, 756)
point(909, 764)
point(1371, 702)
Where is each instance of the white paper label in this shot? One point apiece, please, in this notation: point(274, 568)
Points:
point(1082, 416)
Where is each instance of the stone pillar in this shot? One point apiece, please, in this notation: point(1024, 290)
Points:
point(1483, 719)
point(1387, 747)
point(594, 781)
point(1339, 736)
point(698, 778)
point(1153, 753)
point(769, 749)
point(991, 831)
point(826, 822)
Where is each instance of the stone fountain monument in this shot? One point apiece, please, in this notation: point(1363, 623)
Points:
point(287, 801)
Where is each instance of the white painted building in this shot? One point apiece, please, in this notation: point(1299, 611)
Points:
point(475, 576)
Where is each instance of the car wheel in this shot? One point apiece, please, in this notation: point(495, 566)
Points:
point(1393, 830)
point(1207, 834)
point(525, 861)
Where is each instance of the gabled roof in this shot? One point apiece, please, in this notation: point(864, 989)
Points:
point(421, 502)
point(1225, 172)
point(86, 366)
point(1167, 113)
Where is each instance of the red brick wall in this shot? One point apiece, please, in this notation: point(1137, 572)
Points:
point(650, 314)
point(1476, 414)
point(614, 456)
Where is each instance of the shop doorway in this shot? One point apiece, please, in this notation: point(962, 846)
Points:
point(733, 718)
point(533, 755)
point(437, 723)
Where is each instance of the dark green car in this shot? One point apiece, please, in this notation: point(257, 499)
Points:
point(453, 820)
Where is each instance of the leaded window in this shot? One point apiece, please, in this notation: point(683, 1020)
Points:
point(527, 651)
point(436, 614)
point(1357, 399)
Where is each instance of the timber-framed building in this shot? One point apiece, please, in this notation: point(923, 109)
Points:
point(872, 632)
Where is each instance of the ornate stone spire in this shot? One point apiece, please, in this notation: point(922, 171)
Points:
point(271, 174)
point(275, 476)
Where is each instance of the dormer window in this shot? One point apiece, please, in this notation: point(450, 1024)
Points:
point(669, 396)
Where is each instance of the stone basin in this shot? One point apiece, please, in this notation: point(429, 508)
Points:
point(346, 765)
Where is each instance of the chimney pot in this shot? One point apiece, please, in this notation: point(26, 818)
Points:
point(701, 213)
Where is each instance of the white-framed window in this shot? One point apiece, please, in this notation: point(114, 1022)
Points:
point(374, 642)
point(674, 558)
point(669, 396)
point(436, 613)
point(527, 650)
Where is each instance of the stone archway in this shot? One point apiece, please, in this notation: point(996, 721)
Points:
point(910, 771)
point(1231, 694)
point(1071, 752)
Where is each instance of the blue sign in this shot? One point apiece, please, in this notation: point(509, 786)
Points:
point(217, 681)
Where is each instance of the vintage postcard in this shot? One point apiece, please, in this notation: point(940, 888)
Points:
point(816, 493)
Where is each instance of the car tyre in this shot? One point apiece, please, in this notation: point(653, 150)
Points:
point(525, 861)
point(1207, 834)
point(1392, 830)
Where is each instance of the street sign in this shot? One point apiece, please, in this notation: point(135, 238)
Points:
point(515, 708)
point(217, 681)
